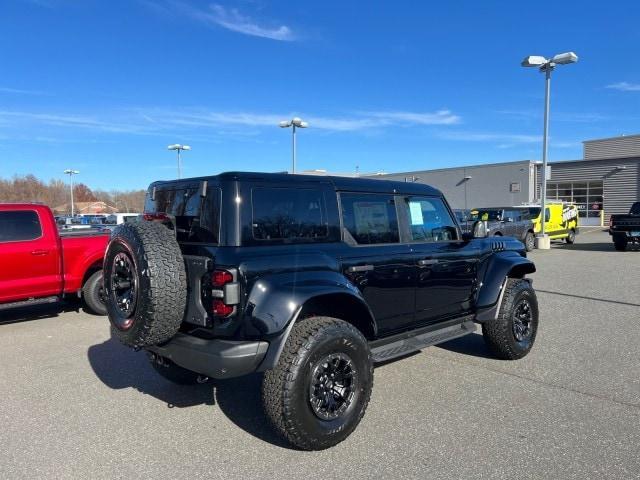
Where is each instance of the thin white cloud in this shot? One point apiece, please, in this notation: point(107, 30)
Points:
point(156, 121)
point(577, 117)
point(20, 91)
point(233, 20)
point(625, 87)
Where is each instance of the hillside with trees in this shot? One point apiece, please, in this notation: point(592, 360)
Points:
point(31, 189)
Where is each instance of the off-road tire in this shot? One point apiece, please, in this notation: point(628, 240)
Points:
point(529, 241)
point(499, 333)
point(286, 389)
point(92, 294)
point(620, 245)
point(571, 237)
point(174, 373)
point(159, 279)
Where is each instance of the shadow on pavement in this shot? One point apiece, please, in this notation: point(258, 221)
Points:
point(589, 247)
point(119, 367)
point(472, 345)
point(34, 312)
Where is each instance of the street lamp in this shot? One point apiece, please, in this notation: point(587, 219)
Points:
point(295, 122)
point(546, 66)
point(179, 148)
point(71, 173)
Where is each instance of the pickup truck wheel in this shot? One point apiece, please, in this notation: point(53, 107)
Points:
point(93, 294)
point(174, 373)
point(319, 390)
point(529, 241)
point(512, 335)
point(145, 283)
point(620, 244)
point(571, 237)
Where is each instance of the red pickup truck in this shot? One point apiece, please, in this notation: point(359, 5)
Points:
point(40, 265)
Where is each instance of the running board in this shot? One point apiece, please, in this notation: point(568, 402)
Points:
point(29, 302)
point(408, 342)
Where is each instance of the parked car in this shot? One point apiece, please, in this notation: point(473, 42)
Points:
point(311, 280)
point(118, 218)
point(561, 220)
point(41, 265)
point(506, 221)
point(625, 229)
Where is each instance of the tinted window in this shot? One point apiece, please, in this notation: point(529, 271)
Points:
point(490, 215)
point(288, 214)
point(369, 219)
point(19, 226)
point(514, 215)
point(429, 220)
point(635, 209)
point(196, 218)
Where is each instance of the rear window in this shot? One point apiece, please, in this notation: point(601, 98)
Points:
point(369, 218)
point(196, 218)
point(19, 225)
point(289, 215)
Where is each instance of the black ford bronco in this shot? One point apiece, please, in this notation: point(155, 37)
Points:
point(311, 280)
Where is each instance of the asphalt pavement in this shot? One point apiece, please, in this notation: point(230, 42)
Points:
point(76, 404)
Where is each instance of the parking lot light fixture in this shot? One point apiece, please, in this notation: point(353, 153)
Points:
point(546, 66)
point(71, 173)
point(295, 122)
point(179, 148)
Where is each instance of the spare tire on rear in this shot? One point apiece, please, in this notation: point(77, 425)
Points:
point(144, 283)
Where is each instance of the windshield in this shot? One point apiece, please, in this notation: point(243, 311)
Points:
point(486, 215)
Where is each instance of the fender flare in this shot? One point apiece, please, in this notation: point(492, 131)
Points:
point(276, 302)
point(503, 265)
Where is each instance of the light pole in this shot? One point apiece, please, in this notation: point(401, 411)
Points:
point(546, 66)
point(295, 122)
point(179, 148)
point(71, 173)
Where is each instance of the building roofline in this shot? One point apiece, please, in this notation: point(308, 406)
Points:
point(479, 165)
point(618, 137)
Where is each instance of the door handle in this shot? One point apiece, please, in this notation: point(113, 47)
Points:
point(427, 261)
point(360, 268)
point(39, 252)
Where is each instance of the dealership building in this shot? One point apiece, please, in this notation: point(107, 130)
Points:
point(605, 181)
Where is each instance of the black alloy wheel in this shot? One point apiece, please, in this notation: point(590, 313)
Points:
point(334, 383)
point(124, 289)
point(522, 321)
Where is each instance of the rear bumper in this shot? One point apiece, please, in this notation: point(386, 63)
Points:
point(213, 358)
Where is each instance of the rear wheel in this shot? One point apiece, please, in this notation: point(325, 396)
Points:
point(529, 241)
point(319, 390)
point(571, 237)
point(512, 335)
point(620, 244)
point(93, 294)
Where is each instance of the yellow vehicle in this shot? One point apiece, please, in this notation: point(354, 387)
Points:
point(561, 220)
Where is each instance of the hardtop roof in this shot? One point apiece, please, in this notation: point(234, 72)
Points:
point(357, 184)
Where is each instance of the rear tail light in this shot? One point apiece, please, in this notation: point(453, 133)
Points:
point(224, 293)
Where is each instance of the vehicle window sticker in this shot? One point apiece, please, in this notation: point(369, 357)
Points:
point(415, 210)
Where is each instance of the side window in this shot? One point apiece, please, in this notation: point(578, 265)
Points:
point(429, 220)
point(19, 225)
point(514, 215)
point(288, 214)
point(197, 219)
point(547, 214)
point(369, 218)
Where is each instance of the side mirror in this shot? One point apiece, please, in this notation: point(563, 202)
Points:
point(508, 220)
point(478, 230)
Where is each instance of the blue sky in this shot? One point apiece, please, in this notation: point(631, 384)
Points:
point(105, 86)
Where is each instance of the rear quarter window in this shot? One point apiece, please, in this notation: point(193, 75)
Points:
point(194, 217)
point(19, 226)
point(288, 215)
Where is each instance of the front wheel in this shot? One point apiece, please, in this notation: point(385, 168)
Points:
point(319, 390)
point(93, 294)
point(529, 241)
point(571, 237)
point(512, 335)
